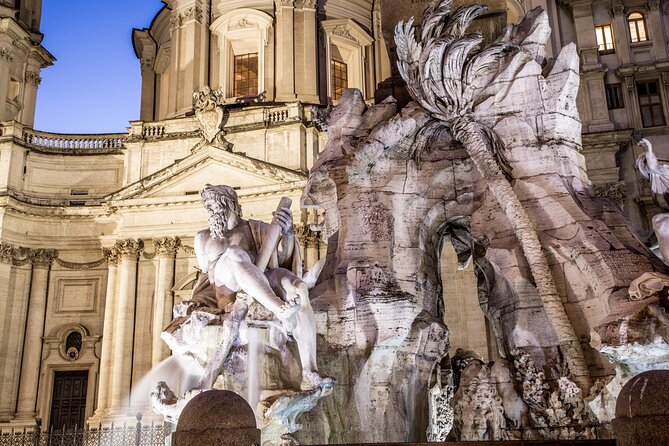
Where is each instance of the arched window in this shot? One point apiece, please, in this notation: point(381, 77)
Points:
point(637, 24)
point(73, 345)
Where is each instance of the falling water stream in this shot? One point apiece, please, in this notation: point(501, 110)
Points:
point(254, 365)
point(180, 374)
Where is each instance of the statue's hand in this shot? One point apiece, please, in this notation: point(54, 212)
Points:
point(284, 218)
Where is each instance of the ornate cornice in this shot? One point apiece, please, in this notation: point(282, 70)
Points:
point(129, 248)
point(166, 246)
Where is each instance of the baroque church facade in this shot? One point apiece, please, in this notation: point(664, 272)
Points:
point(96, 231)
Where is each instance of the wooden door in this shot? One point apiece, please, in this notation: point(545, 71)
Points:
point(68, 404)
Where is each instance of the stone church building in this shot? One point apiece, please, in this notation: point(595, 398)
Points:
point(96, 230)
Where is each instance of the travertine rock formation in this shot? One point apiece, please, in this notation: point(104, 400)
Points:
point(491, 158)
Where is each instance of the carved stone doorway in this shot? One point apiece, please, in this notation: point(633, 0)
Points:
point(68, 401)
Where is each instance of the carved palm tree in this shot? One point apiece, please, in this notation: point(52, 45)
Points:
point(446, 73)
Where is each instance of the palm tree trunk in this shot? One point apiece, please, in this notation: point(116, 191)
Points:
point(477, 144)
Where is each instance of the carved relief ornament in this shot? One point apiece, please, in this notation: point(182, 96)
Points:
point(129, 248)
point(43, 257)
point(33, 78)
point(208, 105)
point(166, 246)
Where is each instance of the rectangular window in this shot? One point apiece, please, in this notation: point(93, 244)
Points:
point(604, 38)
point(339, 73)
point(637, 24)
point(614, 96)
point(245, 75)
point(650, 103)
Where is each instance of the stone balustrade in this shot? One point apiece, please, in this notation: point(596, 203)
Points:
point(72, 142)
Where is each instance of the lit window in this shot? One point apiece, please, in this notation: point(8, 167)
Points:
point(650, 103)
point(604, 38)
point(637, 25)
point(614, 96)
point(246, 74)
point(339, 73)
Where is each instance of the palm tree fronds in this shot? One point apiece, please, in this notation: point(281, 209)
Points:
point(434, 18)
point(481, 69)
point(462, 18)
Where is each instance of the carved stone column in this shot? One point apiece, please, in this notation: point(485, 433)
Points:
point(166, 249)
point(106, 364)
point(32, 349)
point(285, 56)
point(124, 324)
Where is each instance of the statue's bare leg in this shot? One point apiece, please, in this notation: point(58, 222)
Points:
point(230, 335)
point(234, 271)
point(305, 330)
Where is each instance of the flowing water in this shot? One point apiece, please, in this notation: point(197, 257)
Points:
point(254, 365)
point(179, 372)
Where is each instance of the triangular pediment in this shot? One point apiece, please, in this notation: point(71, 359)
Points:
point(207, 165)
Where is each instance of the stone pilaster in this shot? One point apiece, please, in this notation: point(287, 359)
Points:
point(655, 31)
point(306, 53)
point(166, 249)
point(106, 360)
point(621, 39)
point(124, 324)
point(41, 260)
point(32, 80)
point(285, 51)
point(190, 36)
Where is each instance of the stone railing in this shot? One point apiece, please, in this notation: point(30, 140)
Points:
point(71, 142)
point(153, 130)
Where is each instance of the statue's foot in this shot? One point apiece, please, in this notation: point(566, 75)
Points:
point(314, 380)
point(287, 313)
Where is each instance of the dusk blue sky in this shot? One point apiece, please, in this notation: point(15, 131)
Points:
point(94, 86)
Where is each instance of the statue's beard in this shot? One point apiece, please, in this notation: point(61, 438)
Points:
point(218, 225)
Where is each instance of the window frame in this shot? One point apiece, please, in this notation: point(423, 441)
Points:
point(607, 49)
point(338, 67)
point(250, 90)
point(619, 99)
point(635, 21)
point(650, 105)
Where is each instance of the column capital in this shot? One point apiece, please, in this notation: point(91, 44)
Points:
point(129, 248)
point(6, 54)
point(7, 253)
point(618, 9)
point(166, 246)
point(307, 236)
point(111, 255)
point(33, 78)
point(285, 3)
point(43, 258)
